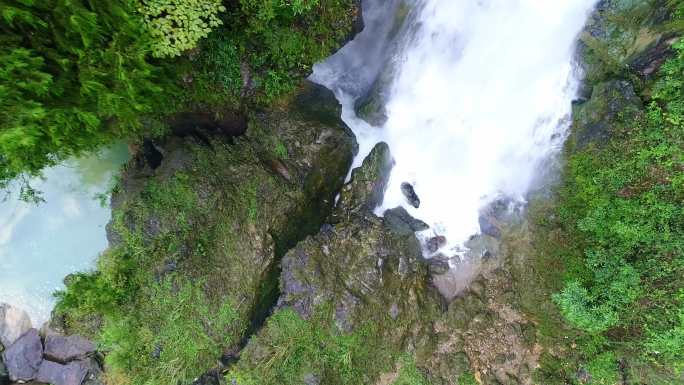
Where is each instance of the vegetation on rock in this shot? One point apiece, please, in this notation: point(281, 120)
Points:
point(619, 220)
point(193, 249)
point(77, 75)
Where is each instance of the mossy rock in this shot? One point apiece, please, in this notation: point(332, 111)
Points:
point(613, 106)
point(371, 106)
point(200, 237)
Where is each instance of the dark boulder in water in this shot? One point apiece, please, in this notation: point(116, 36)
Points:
point(435, 243)
point(410, 194)
point(400, 221)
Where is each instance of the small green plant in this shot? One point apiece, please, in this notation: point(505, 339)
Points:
point(280, 150)
point(467, 379)
point(178, 25)
point(409, 374)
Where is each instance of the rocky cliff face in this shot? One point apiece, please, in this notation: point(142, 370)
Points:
point(201, 231)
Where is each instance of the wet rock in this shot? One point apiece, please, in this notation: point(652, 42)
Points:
point(65, 349)
point(438, 265)
point(401, 222)
point(365, 270)
point(253, 212)
point(483, 246)
point(14, 323)
point(489, 226)
point(435, 243)
point(213, 377)
point(371, 106)
point(55, 373)
point(497, 215)
point(24, 356)
point(410, 194)
point(648, 62)
point(95, 374)
point(612, 106)
point(369, 182)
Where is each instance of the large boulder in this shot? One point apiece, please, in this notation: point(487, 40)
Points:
point(54, 373)
point(24, 356)
point(63, 349)
point(612, 41)
point(368, 269)
point(214, 218)
point(370, 183)
point(14, 323)
point(613, 105)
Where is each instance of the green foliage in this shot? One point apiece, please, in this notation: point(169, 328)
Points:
point(73, 77)
point(177, 25)
point(670, 344)
point(409, 374)
point(265, 47)
point(622, 209)
point(158, 325)
point(77, 75)
point(604, 369)
point(467, 379)
point(172, 336)
point(290, 348)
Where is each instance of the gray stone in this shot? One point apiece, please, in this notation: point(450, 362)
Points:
point(65, 349)
point(13, 324)
point(311, 379)
point(55, 373)
point(368, 183)
point(24, 356)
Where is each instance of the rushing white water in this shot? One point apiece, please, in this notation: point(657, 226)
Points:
point(479, 102)
point(42, 243)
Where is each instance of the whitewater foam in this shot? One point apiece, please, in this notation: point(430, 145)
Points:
point(480, 100)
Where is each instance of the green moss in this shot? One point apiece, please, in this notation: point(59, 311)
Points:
point(603, 369)
point(409, 374)
point(467, 379)
point(263, 50)
point(290, 348)
point(172, 337)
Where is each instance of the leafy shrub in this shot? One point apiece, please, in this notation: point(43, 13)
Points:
point(177, 25)
point(73, 78)
point(621, 206)
point(265, 47)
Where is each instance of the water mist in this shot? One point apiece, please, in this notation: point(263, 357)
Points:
point(478, 101)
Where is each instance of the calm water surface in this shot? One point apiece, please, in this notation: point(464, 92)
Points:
point(42, 243)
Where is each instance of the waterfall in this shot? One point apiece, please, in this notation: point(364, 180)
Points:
point(477, 99)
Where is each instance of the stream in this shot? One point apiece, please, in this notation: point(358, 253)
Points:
point(473, 97)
